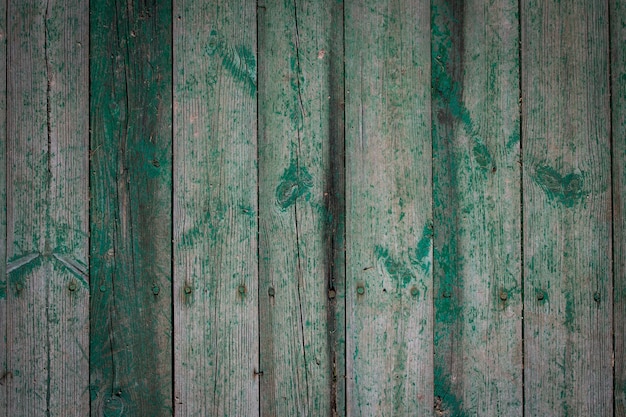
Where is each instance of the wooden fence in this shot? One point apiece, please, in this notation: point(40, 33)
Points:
point(313, 208)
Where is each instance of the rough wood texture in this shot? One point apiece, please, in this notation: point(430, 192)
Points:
point(47, 218)
point(567, 208)
point(4, 371)
point(477, 218)
point(618, 94)
point(388, 199)
point(301, 203)
point(215, 207)
point(131, 116)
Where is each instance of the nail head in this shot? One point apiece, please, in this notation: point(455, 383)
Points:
point(503, 295)
point(187, 290)
point(360, 290)
point(271, 292)
point(156, 290)
point(72, 286)
point(414, 291)
point(596, 297)
point(242, 289)
point(103, 288)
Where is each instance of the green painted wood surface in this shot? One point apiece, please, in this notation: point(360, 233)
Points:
point(388, 209)
point(300, 203)
point(567, 208)
point(47, 209)
point(477, 218)
point(131, 216)
point(4, 370)
point(215, 208)
point(618, 105)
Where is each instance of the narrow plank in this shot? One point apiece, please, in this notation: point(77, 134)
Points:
point(215, 209)
point(300, 207)
point(567, 208)
point(618, 105)
point(47, 209)
point(388, 208)
point(131, 180)
point(4, 370)
point(477, 217)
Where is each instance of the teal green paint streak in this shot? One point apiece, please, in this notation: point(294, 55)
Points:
point(3, 289)
point(239, 61)
point(396, 269)
point(420, 257)
point(295, 182)
point(567, 189)
point(446, 403)
point(449, 91)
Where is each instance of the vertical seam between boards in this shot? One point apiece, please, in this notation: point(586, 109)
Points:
point(172, 211)
point(612, 201)
point(259, 371)
point(520, 104)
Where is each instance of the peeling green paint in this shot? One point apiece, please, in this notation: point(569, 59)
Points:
point(396, 269)
point(239, 61)
point(420, 256)
point(3, 289)
point(567, 189)
point(295, 182)
point(446, 403)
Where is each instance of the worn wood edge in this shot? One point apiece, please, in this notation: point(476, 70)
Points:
point(617, 12)
point(4, 371)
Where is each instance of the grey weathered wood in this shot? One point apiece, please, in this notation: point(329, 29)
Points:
point(477, 218)
point(215, 209)
point(567, 208)
point(47, 202)
point(131, 218)
point(300, 202)
point(618, 94)
point(4, 371)
point(388, 215)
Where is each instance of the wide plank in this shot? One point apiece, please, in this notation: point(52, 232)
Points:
point(47, 292)
point(301, 207)
point(567, 250)
point(477, 217)
point(618, 106)
point(216, 341)
point(131, 218)
point(388, 208)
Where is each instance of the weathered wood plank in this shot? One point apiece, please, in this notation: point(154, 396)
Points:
point(47, 208)
point(388, 208)
point(301, 203)
point(567, 208)
point(215, 209)
point(477, 218)
point(4, 370)
point(131, 168)
point(618, 94)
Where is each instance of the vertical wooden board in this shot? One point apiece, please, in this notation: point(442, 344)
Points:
point(477, 218)
point(567, 208)
point(4, 371)
point(215, 209)
point(388, 209)
point(47, 208)
point(301, 203)
point(618, 95)
point(131, 219)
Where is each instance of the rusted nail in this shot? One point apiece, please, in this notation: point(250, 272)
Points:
point(596, 297)
point(540, 295)
point(19, 286)
point(187, 289)
point(72, 286)
point(414, 291)
point(271, 292)
point(156, 290)
point(242, 289)
point(332, 293)
point(503, 295)
point(360, 290)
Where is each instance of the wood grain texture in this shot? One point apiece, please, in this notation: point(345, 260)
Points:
point(301, 203)
point(618, 95)
point(567, 208)
point(477, 218)
point(131, 169)
point(215, 209)
point(4, 370)
point(47, 209)
point(388, 209)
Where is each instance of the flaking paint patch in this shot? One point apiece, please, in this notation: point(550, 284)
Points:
point(420, 256)
point(446, 403)
point(396, 269)
point(295, 182)
point(3, 289)
point(567, 189)
point(239, 60)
